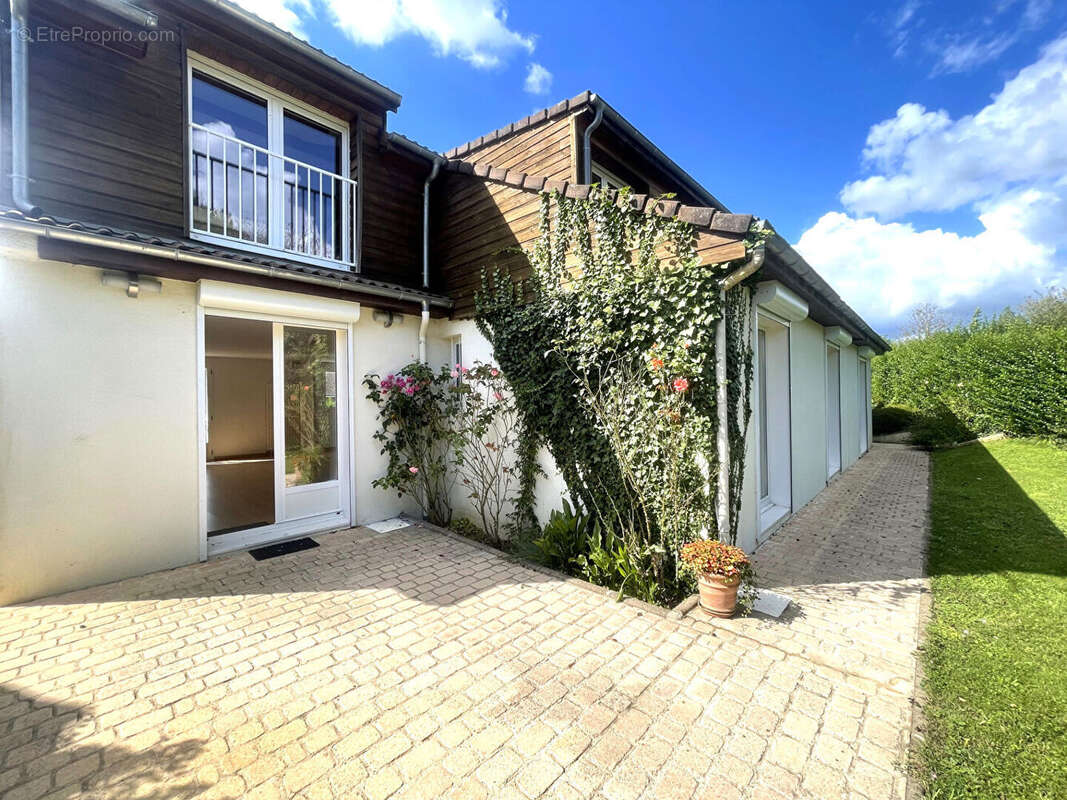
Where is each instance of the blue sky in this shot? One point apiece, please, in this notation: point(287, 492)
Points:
point(913, 151)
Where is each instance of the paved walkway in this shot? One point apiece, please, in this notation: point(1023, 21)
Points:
point(411, 664)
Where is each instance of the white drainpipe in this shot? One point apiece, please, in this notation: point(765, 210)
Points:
point(722, 494)
point(424, 323)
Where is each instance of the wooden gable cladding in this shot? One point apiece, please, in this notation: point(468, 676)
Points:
point(546, 149)
point(487, 223)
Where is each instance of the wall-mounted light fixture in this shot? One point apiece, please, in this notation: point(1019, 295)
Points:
point(387, 318)
point(131, 282)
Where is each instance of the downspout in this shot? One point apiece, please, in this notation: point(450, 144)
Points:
point(20, 81)
point(587, 145)
point(722, 494)
point(425, 322)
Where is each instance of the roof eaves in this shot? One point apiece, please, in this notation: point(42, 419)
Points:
point(227, 254)
point(792, 260)
point(711, 219)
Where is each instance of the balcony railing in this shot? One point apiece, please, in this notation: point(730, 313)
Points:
point(260, 200)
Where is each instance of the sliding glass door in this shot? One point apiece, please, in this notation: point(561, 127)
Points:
point(276, 454)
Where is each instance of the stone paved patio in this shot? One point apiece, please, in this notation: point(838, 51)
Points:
point(411, 664)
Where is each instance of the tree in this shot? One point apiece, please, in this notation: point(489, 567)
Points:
point(1049, 309)
point(925, 319)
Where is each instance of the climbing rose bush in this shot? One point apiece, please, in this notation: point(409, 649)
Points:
point(417, 409)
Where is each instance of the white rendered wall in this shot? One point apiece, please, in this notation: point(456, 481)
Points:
point(377, 350)
point(98, 472)
point(476, 348)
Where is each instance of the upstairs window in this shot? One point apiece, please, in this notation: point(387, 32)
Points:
point(606, 179)
point(266, 171)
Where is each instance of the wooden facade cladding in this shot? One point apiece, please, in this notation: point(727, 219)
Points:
point(546, 149)
point(482, 224)
point(108, 129)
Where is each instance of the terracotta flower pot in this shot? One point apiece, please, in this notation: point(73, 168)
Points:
point(718, 595)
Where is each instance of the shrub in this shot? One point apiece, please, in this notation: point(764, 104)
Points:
point(710, 556)
point(417, 407)
point(891, 419)
point(565, 538)
point(1001, 375)
point(938, 428)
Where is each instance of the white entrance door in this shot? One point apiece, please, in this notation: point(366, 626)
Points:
point(865, 403)
point(307, 422)
point(308, 463)
point(833, 410)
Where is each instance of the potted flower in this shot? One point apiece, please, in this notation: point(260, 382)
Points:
point(721, 569)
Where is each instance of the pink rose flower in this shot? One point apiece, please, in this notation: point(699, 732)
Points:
point(680, 384)
point(494, 372)
point(454, 374)
point(413, 470)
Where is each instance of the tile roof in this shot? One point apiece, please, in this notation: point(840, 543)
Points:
point(699, 216)
point(280, 266)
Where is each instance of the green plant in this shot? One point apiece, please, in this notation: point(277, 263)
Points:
point(712, 557)
point(1005, 374)
point(890, 419)
point(565, 537)
point(465, 527)
point(610, 290)
point(486, 446)
point(417, 408)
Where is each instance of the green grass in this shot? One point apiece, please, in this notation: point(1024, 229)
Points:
point(996, 649)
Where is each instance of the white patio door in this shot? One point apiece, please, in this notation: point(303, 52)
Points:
point(310, 411)
point(833, 410)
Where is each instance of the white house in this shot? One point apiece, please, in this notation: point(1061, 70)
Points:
point(210, 237)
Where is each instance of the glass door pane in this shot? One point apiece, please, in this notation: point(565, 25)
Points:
point(310, 406)
point(310, 422)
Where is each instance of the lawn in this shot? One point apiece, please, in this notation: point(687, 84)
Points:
point(996, 648)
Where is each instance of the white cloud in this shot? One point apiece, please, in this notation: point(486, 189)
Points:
point(474, 30)
point(538, 79)
point(929, 162)
point(979, 37)
point(1007, 164)
point(286, 14)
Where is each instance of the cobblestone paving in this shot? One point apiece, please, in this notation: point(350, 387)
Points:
point(410, 664)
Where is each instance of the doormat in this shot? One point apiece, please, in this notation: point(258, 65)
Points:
point(283, 548)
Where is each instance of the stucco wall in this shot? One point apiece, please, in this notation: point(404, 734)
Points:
point(98, 455)
point(377, 350)
point(549, 490)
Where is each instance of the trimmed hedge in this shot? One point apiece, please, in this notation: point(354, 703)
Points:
point(1004, 375)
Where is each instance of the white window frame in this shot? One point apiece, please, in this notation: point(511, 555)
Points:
point(772, 514)
point(607, 179)
point(277, 104)
point(840, 409)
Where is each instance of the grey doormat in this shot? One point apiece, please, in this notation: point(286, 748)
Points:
point(282, 548)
